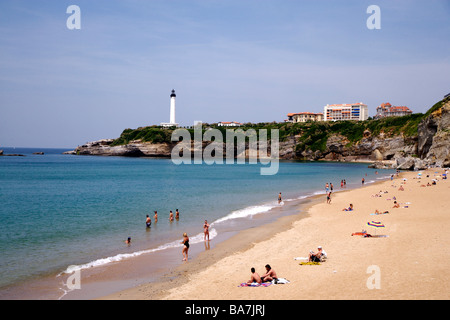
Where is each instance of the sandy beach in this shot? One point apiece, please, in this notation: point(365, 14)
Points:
point(409, 260)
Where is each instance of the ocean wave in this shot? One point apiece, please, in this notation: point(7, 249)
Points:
point(119, 257)
point(246, 212)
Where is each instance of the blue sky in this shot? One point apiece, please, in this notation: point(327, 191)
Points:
point(246, 60)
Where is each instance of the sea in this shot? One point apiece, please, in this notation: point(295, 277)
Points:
point(65, 213)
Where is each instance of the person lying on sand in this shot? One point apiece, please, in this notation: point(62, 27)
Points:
point(362, 233)
point(349, 208)
point(378, 212)
point(396, 205)
point(254, 277)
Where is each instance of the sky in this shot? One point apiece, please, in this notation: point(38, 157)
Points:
point(228, 60)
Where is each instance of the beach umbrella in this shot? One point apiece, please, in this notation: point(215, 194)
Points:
point(376, 225)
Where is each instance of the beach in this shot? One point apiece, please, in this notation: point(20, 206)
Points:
point(407, 259)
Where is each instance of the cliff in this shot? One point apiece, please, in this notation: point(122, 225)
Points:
point(434, 135)
point(409, 142)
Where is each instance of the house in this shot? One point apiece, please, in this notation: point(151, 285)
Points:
point(229, 124)
point(304, 117)
point(387, 110)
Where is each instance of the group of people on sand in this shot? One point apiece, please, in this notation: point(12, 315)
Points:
point(268, 276)
point(329, 189)
point(271, 275)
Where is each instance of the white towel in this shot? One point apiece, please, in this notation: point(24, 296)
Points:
point(280, 281)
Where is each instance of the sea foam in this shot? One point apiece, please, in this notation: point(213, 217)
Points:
point(119, 257)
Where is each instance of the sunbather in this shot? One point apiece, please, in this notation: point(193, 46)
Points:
point(349, 208)
point(318, 256)
point(269, 275)
point(254, 277)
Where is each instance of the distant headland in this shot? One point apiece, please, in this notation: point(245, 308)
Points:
point(414, 141)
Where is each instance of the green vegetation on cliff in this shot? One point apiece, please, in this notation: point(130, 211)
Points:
point(312, 135)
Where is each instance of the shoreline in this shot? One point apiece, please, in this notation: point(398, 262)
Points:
point(242, 241)
point(403, 256)
point(129, 273)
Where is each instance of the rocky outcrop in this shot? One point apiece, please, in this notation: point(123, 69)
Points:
point(434, 136)
point(136, 148)
point(431, 146)
point(381, 149)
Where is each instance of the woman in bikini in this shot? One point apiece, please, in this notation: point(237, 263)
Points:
point(206, 230)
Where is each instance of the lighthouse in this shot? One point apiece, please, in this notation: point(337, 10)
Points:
point(172, 122)
point(172, 106)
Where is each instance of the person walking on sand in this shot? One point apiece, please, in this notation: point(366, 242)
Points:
point(148, 222)
point(206, 230)
point(329, 197)
point(254, 277)
point(185, 242)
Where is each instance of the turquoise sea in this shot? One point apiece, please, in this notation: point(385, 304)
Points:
point(61, 210)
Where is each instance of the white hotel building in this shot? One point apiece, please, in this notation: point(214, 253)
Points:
point(337, 112)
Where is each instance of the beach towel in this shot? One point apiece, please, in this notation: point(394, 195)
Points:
point(280, 281)
point(310, 263)
point(255, 284)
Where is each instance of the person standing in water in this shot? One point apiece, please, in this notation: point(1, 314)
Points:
point(279, 198)
point(206, 230)
point(171, 216)
point(185, 242)
point(148, 222)
point(177, 214)
point(156, 216)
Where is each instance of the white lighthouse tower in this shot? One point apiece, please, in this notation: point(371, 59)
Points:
point(172, 122)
